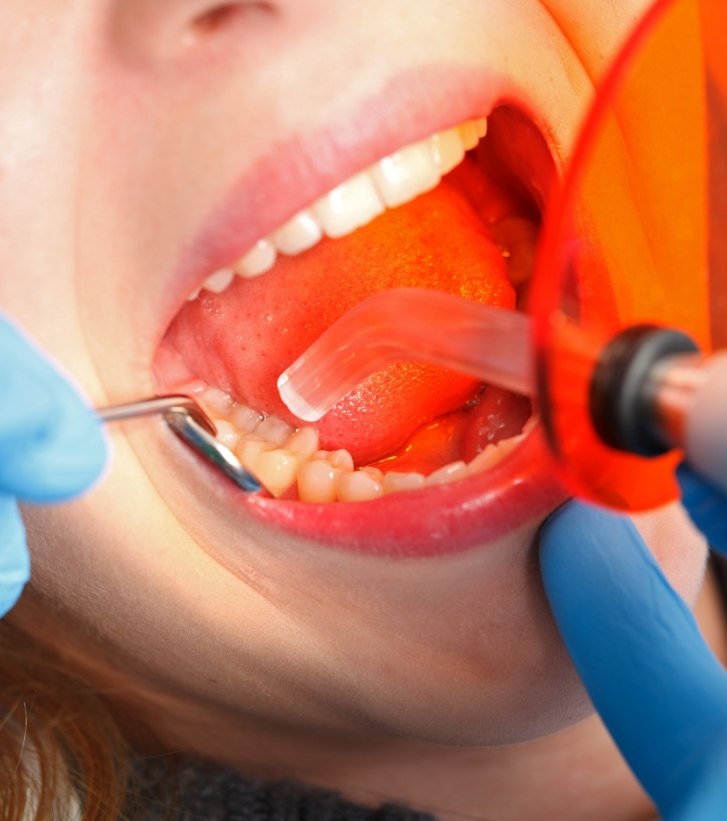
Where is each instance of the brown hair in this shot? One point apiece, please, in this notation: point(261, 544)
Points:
point(59, 739)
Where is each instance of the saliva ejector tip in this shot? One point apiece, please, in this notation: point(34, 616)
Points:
point(414, 324)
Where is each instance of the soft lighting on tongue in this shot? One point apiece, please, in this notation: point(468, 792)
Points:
point(414, 324)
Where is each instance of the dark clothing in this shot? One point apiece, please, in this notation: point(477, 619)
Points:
point(203, 792)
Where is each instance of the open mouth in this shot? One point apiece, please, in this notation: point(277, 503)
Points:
point(417, 460)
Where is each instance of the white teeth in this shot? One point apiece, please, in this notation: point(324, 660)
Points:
point(218, 403)
point(288, 461)
point(448, 473)
point(245, 418)
point(340, 459)
point(227, 433)
point(298, 234)
point(277, 470)
point(395, 481)
point(218, 281)
point(318, 482)
point(349, 206)
point(249, 449)
point(469, 134)
point(390, 182)
point(406, 174)
point(447, 150)
point(259, 259)
point(358, 487)
point(273, 430)
point(303, 442)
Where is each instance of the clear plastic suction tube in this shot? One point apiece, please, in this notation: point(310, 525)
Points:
point(492, 344)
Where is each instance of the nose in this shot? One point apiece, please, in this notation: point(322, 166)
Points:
point(166, 29)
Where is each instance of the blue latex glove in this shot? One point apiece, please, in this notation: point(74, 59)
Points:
point(51, 448)
point(655, 683)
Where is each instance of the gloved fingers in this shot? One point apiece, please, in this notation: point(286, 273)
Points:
point(708, 800)
point(655, 683)
point(706, 505)
point(51, 445)
point(14, 558)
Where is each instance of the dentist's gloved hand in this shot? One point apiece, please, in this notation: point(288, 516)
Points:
point(51, 448)
point(655, 683)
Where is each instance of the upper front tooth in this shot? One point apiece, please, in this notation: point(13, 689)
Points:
point(349, 206)
point(260, 258)
point(298, 234)
point(405, 174)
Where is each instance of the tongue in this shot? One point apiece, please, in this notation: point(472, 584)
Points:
point(244, 338)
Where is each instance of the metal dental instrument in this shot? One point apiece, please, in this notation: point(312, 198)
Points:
point(191, 424)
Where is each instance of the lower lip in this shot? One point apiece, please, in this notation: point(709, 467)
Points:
point(436, 521)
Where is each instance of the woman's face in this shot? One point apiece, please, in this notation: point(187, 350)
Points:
point(147, 145)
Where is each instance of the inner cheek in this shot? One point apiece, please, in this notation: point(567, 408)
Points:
point(679, 548)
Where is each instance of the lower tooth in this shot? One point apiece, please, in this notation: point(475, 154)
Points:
point(374, 473)
point(318, 482)
point(341, 459)
point(448, 473)
point(227, 433)
point(277, 470)
point(395, 481)
point(245, 418)
point(494, 454)
point(358, 487)
point(303, 441)
point(273, 430)
point(216, 402)
point(249, 449)
point(282, 457)
point(486, 459)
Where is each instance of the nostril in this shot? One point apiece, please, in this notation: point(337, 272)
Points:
point(216, 18)
point(150, 33)
point(223, 16)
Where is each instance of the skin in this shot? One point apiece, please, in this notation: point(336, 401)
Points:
point(124, 124)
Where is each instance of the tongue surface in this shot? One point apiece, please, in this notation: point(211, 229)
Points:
point(244, 338)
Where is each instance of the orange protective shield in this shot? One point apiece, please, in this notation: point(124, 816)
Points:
point(627, 239)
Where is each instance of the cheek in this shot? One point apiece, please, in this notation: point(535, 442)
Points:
point(677, 545)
